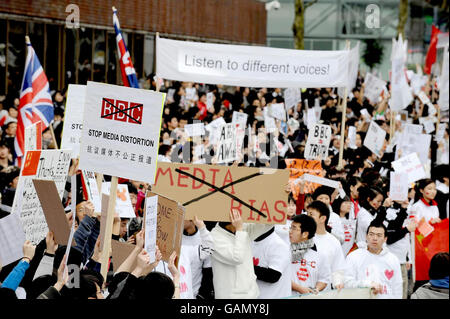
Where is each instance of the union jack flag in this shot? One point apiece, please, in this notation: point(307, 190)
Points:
point(129, 77)
point(35, 101)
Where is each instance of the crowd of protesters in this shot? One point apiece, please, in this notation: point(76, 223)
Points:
point(329, 242)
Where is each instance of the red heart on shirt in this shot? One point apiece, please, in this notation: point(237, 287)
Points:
point(389, 274)
point(255, 261)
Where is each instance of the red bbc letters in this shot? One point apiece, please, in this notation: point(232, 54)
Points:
point(122, 111)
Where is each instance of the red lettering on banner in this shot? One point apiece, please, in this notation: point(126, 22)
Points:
point(122, 111)
point(168, 170)
point(236, 207)
point(196, 169)
point(283, 213)
point(251, 201)
point(180, 176)
point(264, 208)
point(119, 116)
point(135, 112)
point(107, 108)
point(228, 179)
point(214, 171)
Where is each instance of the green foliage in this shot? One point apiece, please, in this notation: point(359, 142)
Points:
point(373, 53)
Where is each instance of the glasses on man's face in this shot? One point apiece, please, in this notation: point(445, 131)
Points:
point(379, 235)
point(293, 228)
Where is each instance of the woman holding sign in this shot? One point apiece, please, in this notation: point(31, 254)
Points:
point(425, 206)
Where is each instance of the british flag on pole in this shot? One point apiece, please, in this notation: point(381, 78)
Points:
point(129, 77)
point(35, 101)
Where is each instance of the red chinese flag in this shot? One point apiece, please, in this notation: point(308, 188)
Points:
point(427, 247)
point(430, 59)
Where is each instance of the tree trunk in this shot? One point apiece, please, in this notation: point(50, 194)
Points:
point(299, 25)
point(402, 17)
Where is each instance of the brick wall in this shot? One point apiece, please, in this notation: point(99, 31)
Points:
point(231, 20)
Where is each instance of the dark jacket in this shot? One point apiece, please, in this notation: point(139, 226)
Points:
point(86, 236)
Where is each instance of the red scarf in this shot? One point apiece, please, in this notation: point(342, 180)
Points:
point(433, 202)
point(356, 204)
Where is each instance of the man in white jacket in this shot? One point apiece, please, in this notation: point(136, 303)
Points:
point(375, 267)
point(232, 261)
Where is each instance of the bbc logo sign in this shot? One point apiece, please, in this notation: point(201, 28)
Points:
point(123, 111)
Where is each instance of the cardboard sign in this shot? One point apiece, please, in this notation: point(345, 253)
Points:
point(226, 147)
point(151, 214)
point(411, 166)
point(375, 138)
point(123, 201)
point(319, 137)
point(53, 210)
point(398, 188)
point(239, 118)
point(12, 238)
point(120, 252)
point(277, 111)
point(90, 189)
point(33, 137)
point(170, 225)
point(373, 87)
point(211, 191)
point(298, 167)
point(73, 118)
point(45, 165)
point(196, 129)
point(291, 97)
point(121, 127)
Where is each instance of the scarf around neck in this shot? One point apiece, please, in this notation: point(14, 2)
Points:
point(298, 250)
point(440, 283)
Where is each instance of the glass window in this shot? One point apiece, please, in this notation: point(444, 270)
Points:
point(51, 67)
point(2, 57)
point(70, 58)
point(16, 56)
point(112, 58)
point(85, 57)
point(99, 55)
point(138, 53)
point(36, 33)
point(148, 54)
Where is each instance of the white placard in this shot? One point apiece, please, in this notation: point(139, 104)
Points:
point(196, 129)
point(170, 94)
point(269, 122)
point(401, 95)
point(366, 114)
point(291, 97)
point(33, 137)
point(39, 164)
point(410, 165)
point(251, 66)
point(213, 129)
point(123, 201)
point(121, 127)
point(319, 137)
point(277, 111)
point(413, 128)
point(92, 190)
point(440, 132)
point(418, 82)
point(240, 135)
point(73, 118)
point(226, 147)
point(411, 143)
point(352, 137)
point(428, 124)
point(311, 118)
point(375, 138)
point(398, 187)
point(210, 100)
point(373, 87)
point(443, 83)
point(12, 238)
point(190, 94)
point(151, 217)
point(239, 117)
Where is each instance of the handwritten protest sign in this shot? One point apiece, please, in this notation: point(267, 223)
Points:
point(252, 66)
point(123, 200)
point(45, 165)
point(240, 135)
point(33, 137)
point(190, 93)
point(73, 118)
point(214, 130)
point(239, 118)
point(90, 189)
point(352, 137)
point(277, 111)
point(151, 215)
point(410, 165)
point(196, 129)
point(428, 124)
point(211, 191)
point(269, 121)
point(398, 187)
point(298, 167)
point(373, 87)
point(12, 238)
point(169, 225)
point(120, 252)
point(210, 100)
point(319, 137)
point(414, 143)
point(291, 97)
point(413, 128)
point(226, 147)
point(121, 127)
point(375, 138)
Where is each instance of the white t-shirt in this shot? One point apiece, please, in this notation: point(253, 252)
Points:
point(283, 231)
point(330, 247)
point(272, 252)
point(363, 268)
point(313, 268)
point(349, 234)
point(420, 209)
point(363, 221)
point(337, 229)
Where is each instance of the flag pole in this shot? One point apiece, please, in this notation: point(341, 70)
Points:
point(344, 111)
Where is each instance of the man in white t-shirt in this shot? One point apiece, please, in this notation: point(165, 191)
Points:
point(271, 261)
point(375, 266)
point(310, 269)
point(323, 194)
point(327, 244)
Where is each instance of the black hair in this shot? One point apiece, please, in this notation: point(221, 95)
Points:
point(366, 194)
point(378, 224)
point(337, 205)
point(155, 285)
point(352, 181)
point(439, 266)
point(321, 190)
point(307, 224)
point(7, 294)
point(321, 208)
point(39, 285)
point(421, 184)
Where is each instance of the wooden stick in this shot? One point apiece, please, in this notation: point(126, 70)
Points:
point(53, 136)
point(344, 111)
point(104, 254)
point(392, 126)
point(99, 179)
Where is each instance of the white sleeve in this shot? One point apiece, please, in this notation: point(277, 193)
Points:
point(45, 267)
point(337, 228)
point(324, 271)
point(206, 248)
point(351, 274)
point(397, 284)
point(230, 252)
point(256, 230)
point(279, 257)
